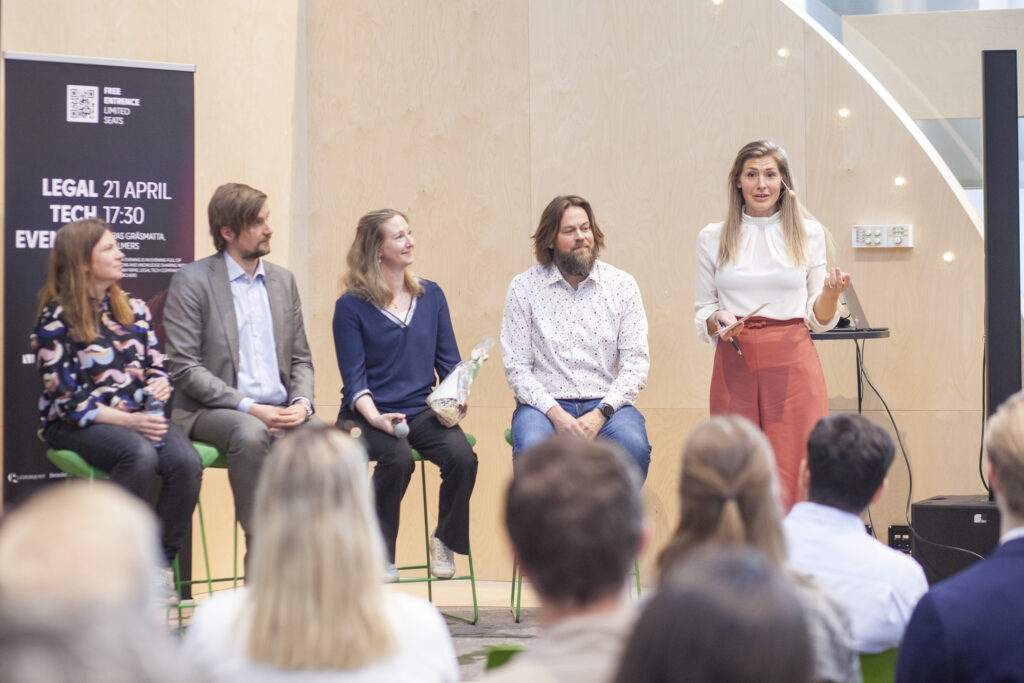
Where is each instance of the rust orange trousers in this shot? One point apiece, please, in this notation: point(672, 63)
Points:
point(778, 385)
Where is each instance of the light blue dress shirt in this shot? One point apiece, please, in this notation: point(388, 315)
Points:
point(879, 586)
point(259, 377)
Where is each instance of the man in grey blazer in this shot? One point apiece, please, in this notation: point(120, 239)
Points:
point(236, 344)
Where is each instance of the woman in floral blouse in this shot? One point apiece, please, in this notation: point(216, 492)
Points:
point(97, 356)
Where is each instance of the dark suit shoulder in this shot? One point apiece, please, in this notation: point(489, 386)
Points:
point(993, 581)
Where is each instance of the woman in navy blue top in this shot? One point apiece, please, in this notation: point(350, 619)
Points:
point(96, 352)
point(394, 340)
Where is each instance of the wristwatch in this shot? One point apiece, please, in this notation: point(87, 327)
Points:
point(305, 404)
point(606, 410)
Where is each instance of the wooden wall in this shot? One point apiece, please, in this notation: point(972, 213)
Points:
point(471, 119)
point(470, 115)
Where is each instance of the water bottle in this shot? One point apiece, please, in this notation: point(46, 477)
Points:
point(155, 406)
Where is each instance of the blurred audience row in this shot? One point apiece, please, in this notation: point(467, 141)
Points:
point(743, 595)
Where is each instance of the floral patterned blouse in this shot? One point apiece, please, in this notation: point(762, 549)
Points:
point(112, 370)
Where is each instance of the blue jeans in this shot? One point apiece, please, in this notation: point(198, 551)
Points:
point(626, 428)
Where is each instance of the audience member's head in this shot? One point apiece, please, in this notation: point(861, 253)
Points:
point(575, 518)
point(1004, 444)
point(728, 492)
point(848, 457)
point(317, 599)
point(106, 644)
point(80, 545)
point(78, 590)
point(724, 615)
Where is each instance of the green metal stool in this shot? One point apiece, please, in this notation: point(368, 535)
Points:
point(429, 580)
point(72, 464)
point(211, 456)
point(516, 598)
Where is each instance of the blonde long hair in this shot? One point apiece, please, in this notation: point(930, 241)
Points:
point(365, 278)
point(316, 596)
point(789, 207)
point(728, 492)
point(67, 281)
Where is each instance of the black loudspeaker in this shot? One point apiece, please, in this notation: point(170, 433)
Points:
point(967, 522)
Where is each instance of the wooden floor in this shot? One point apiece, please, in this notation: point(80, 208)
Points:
point(446, 593)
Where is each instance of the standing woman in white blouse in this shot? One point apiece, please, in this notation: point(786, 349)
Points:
point(767, 253)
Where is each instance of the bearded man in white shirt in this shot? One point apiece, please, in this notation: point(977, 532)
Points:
point(574, 339)
point(848, 457)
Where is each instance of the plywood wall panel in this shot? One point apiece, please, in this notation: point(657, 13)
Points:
point(934, 309)
point(471, 115)
point(631, 109)
point(423, 108)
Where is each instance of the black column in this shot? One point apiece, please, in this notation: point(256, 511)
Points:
point(1002, 226)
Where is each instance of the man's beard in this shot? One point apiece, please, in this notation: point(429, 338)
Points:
point(574, 263)
point(258, 252)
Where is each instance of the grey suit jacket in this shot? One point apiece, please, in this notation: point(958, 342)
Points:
point(202, 338)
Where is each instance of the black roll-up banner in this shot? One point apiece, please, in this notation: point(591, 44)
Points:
point(87, 138)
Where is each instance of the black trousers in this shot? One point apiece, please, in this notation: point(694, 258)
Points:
point(445, 447)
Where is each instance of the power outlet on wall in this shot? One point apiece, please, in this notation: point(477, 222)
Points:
point(899, 538)
point(883, 236)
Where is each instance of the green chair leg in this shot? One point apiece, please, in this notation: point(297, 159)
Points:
point(428, 579)
point(212, 457)
point(517, 592)
point(426, 523)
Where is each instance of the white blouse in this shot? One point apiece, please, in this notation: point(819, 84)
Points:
point(762, 272)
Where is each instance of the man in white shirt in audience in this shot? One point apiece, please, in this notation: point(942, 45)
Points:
point(848, 457)
point(969, 627)
point(574, 339)
point(575, 518)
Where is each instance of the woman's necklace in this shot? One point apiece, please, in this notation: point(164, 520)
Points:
point(400, 306)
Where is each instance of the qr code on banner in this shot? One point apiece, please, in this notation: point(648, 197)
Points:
point(83, 104)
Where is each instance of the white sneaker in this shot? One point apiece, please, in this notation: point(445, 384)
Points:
point(166, 589)
point(390, 572)
point(442, 559)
